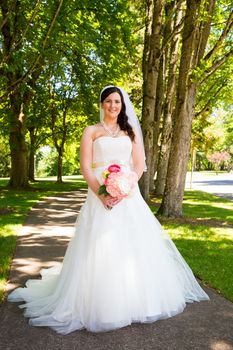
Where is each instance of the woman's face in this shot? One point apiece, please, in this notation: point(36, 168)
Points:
point(112, 106)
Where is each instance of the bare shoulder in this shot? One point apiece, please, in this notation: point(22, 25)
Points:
point(90, 131)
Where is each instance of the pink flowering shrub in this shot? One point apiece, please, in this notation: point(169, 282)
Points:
point(219, 158)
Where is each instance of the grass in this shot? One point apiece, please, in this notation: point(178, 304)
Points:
point(204, 236)
point(209, 172)
point(15, 205)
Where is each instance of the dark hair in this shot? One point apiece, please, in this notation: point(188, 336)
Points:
point(122, 119)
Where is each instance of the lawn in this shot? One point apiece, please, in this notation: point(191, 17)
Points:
point(204, 235)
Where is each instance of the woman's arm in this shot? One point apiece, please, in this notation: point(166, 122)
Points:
point(138, 156)
point(86, 156)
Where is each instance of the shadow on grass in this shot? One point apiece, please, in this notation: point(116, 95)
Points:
point(185, 220)
point(201, 208)
point(195, 195)
point(7, 245)
point(49, 184)
point(208, 211)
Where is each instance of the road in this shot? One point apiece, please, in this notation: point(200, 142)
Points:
point(220, 185)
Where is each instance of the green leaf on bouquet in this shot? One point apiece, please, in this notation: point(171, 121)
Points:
point(102, 190)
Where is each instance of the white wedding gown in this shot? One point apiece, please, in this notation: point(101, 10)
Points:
point(120, 266)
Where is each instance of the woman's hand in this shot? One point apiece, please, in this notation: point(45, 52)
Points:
point(108, 201)
point(114, 201)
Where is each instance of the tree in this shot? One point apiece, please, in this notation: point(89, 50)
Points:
point(37, 35)
point(151, 62)
point(21, 64)
point(169, 100)
point(194, 41)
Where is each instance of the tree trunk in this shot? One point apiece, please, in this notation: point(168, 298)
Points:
point(19, 161)
point(151, 60)
point(174, 188)
point(168, 108)
point(15, 73)
point(195, 35)
point(169, 9)
point(31, 163)
point(157, 119)
point(178, 160)
point(59, 166)
point(59, 145)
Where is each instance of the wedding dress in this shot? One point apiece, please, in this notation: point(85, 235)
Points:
point(120, 266)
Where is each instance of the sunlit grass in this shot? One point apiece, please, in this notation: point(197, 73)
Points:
point(208, 172)
point(209, 252)
point(198, 204)
point(205, 238)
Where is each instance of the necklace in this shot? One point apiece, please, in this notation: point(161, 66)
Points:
point(112, 133)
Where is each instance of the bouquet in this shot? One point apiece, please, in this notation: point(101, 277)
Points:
point(118, 183)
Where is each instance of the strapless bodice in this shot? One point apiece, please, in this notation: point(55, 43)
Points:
point(107, 149)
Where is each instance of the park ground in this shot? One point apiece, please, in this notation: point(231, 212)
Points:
point(204, 237)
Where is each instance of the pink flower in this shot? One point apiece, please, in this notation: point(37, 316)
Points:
point(119, 184)
point(114, 168)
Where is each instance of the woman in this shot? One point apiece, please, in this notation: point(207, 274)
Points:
point(120, 267)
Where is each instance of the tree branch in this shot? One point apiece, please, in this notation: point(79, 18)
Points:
point(29, 22)
point(204, 108)
point(226, 30)
point(4, 21)
point(34, 64)
point(176, 30)
point(31, 69)
point(216, 64)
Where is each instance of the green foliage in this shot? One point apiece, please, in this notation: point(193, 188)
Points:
point(63, 72)
point(212, 131)
point(215, 84)
point(4, 158)
point(102, 190)
point(46, 164)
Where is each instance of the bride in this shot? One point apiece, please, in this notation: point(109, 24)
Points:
point(120, 266)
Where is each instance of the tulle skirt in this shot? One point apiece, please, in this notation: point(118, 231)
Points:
point(120, 267)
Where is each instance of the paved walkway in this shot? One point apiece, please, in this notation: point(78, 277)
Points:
point(220, 185)
point(42, 243)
